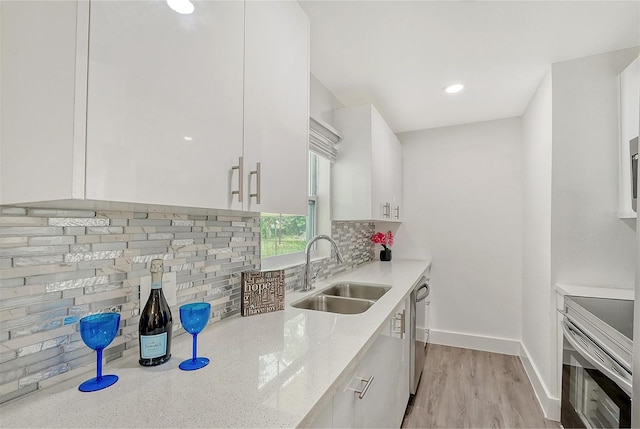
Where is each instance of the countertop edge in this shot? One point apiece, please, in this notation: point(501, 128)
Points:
point(613, 292)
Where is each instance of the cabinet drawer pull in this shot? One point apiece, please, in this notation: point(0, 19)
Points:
point(258, 173)
point(397, 210)
point(363, 392)
point(240, 168)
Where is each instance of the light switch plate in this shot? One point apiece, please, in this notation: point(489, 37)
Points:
point(168, 289)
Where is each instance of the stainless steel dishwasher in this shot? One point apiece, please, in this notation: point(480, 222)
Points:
point(419, 329)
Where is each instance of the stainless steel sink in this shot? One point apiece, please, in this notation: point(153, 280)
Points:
point(356, 290)
point(333, 304)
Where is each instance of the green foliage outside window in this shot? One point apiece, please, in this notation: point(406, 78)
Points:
point(282, 234)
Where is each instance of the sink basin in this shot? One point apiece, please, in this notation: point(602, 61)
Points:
point(333, 304)
point(356, 290)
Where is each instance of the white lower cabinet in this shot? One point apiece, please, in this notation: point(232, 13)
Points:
point(377, 391)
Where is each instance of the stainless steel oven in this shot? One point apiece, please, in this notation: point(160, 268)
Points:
point(596, 363)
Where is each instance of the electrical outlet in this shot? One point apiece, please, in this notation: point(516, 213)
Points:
point(169, 289)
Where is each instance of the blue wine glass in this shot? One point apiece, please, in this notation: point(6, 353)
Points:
point(194, 318)
point(97, 332)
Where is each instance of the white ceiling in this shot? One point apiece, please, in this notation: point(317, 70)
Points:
point(399, 55)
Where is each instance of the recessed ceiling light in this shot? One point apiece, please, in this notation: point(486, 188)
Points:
point(184, 7)
point(452, 89)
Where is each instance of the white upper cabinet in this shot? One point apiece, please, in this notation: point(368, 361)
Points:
point(164, 110)
point(129, 101)
point(368, 172)
point(276, 106)
point(39, 157)
point(629, 130)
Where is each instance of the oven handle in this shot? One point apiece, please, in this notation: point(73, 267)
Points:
point(621, 382)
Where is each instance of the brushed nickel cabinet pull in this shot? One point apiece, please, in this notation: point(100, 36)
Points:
point(240, 168)
point(363, 392)
point(386, 210)
point(258, 173)
point(402, 318)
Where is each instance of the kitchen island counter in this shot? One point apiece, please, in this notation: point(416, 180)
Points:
point(272, 370)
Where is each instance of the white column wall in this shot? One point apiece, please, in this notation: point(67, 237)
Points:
point(538, 318)
point(590, 245)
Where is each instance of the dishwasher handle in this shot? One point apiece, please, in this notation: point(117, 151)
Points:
point(424, 286)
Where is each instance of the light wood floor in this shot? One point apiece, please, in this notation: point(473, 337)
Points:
point(463, 388)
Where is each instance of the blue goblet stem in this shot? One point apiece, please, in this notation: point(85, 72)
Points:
point(195, 343)
point(99, 371)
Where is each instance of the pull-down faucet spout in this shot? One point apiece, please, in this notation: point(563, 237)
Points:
point(307, 251)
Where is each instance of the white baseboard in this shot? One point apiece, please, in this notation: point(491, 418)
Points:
point(475, 342)
point(550, 406)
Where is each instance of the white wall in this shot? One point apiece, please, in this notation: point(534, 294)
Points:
point(538, 294)
point(590, 245)
point(463, 205)
point(322, 102)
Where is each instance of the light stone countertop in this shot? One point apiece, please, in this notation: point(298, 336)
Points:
point(272, 370)
point(596, 291)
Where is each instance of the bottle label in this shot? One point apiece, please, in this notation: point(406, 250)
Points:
point(156, 285)
point(153, 346)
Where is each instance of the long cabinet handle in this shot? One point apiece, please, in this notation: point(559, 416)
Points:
point(363, 392)
point(386, 210)
point(402, 329)
point(240, 168)
point(397, 210)
point(258, 174)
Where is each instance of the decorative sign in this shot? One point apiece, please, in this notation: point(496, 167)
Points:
point(262, 292)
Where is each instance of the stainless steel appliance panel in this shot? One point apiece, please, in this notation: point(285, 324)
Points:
point(419, 329)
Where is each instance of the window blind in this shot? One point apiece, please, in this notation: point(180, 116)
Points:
point(323, 139)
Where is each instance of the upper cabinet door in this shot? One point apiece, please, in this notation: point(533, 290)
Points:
point(380, 184)
point(165, 104)
point(276, 110)
point(38, 161)
point(368, 172)
point(394, 167)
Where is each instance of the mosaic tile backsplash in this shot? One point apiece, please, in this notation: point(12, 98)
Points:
point(57, 266)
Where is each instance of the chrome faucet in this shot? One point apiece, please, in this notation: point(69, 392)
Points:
point(307, 251)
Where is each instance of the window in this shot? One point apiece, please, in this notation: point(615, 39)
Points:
point(282, 234)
